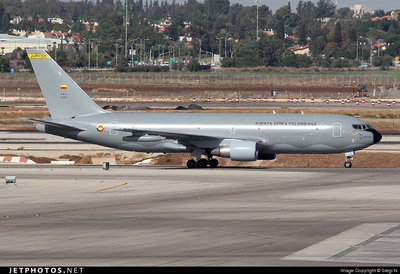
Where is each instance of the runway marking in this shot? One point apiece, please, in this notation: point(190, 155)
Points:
point(21, 224)
point(108, 188)
point(364, 243)
point(365, 177)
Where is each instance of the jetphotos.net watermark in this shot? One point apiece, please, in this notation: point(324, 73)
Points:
point(46, 270)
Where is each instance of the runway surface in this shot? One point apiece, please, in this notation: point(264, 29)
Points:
point(173, 216)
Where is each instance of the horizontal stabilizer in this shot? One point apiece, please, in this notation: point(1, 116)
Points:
point(58, 125)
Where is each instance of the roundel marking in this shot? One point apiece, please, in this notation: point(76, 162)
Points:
point(100, 127)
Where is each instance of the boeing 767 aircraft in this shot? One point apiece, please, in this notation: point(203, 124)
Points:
point(239, 136)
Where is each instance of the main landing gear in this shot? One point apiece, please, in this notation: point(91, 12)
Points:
point(202, 163)
point(349, 158)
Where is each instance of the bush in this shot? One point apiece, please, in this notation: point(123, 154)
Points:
point(142, 69)
point(298, 61)
point(227, 62)
point(193, 66)
point(341, 63)
point(4, 64)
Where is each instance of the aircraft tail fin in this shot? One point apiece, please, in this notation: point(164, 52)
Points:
point(64, 98)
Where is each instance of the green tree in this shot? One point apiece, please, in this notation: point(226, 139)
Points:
point(302, 32)
point(343, 13)
point(394, 48)
point(325, 8)
point(270, 50)
point(4, 64)
point(194, 65)
point(318, 45)
point(4, 20)
point(338, 36)
point(303, 61)
point(246, 55)
point(341, 63)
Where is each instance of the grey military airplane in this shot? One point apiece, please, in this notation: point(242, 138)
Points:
point(238, 136)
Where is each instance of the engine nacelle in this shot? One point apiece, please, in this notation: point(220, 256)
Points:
point(242, 151)
point(266, 156)
point(238, 151)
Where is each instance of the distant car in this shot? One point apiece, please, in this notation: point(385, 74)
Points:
point(11, 179)
point(365, 64)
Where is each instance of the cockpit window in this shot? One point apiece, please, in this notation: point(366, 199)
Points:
point(361, 126)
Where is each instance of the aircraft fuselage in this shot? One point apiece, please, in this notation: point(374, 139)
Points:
point(273, 133)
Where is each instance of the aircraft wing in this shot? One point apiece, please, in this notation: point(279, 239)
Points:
point(170, 135)
point(189, 137)
point(58, 125)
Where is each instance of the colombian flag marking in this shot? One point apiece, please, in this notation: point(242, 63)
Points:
point(63, 86)
point(100, 127)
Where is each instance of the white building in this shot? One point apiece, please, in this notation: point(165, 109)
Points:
point(360, 10)
point(8, 43)
point(56, 20)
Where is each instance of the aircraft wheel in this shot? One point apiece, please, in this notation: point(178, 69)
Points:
point(347, 164)
point(213, 163)
point(191, 163)
point(202, 163)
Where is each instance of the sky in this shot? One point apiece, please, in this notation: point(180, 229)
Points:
point(374, 4)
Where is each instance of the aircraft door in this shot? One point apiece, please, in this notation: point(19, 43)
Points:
point(337, 129)
point(113, 125)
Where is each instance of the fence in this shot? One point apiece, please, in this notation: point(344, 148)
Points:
point(319, 79)
point(20, 84)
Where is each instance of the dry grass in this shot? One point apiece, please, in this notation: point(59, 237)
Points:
point(363, 159)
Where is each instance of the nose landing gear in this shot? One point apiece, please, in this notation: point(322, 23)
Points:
point(349, 158)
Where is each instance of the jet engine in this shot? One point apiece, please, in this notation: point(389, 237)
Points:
point(242, 151)
point(266, 156)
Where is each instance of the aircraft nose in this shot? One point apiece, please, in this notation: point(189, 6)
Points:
point(377, 135)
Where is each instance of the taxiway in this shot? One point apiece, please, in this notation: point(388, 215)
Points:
point(172, 216)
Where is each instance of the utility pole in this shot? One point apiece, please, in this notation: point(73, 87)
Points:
point(199, 50)
point(219, 45)
point(357, 50)
point(126, 28)
point(97, 56)
point(226, 36)
point(371, 51)
point(144, 49)
point(55, 51)
point(116, 53)
point(257, 1)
